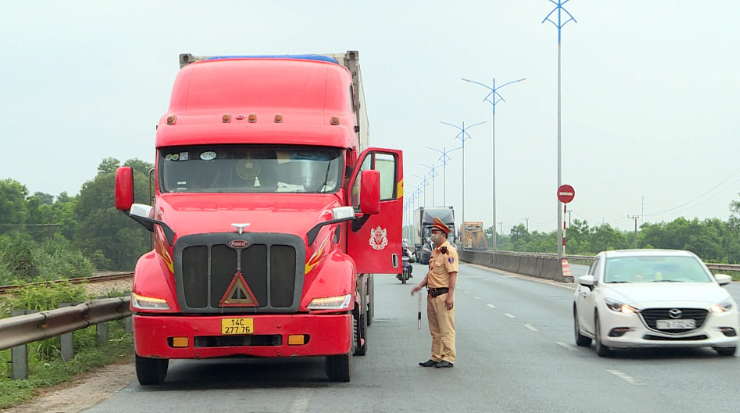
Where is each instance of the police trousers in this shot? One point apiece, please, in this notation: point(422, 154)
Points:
point(442, 328)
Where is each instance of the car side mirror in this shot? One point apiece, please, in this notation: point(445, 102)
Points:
point(124, 188)
point(370, 192)
point(723, 279)
point(586, 280)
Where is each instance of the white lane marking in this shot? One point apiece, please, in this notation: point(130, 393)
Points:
point(477, 298)
point(491, 305)
point(466, 292)
point(529, 326)
point(510, 315)
point(628, 379)
point(566, 346)
point(300, 404)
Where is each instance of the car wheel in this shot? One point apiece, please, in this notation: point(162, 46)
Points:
point(601, 349)
point(151, 371)
point(726, 351)
point(581, 340)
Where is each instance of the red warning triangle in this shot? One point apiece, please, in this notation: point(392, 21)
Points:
point(238, 294)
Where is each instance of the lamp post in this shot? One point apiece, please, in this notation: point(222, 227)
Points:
point(424, 185)
point(444, 158)
point(495, 98)
point(433, 172)
point(463, 136)
point(559, 8)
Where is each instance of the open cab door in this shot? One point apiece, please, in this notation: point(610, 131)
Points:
point(375, 237)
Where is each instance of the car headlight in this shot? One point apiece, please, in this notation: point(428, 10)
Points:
point(331, 303)
point(619, 307)
point(721, 307)
point(148, 303)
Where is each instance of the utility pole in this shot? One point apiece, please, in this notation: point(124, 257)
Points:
point(501, 225)
point(527, 221)
point(570, 211)
point(635, 218)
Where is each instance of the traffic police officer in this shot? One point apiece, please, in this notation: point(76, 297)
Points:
point(440, 282)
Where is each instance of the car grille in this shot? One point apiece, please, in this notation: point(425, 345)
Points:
point(652, 315)
point(659, 338)
point(272, 266)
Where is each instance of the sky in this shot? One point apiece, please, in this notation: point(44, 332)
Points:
point(649, 89)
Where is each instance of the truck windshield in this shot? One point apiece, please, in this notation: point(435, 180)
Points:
point(249, 168)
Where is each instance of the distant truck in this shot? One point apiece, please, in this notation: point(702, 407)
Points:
point(423, 221)
point(473, 237)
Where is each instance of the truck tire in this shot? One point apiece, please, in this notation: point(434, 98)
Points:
point(370, 300)
point(360, 333)
point(151, 372)
point(339, 368)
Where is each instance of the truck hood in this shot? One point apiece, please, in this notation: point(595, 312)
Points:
point(291, 213)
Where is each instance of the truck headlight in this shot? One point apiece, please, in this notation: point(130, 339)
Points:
point(331, 303)
point(721, 307)
point(618, 307)
point(148, 303)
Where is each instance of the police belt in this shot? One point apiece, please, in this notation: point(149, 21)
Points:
point(438, 291)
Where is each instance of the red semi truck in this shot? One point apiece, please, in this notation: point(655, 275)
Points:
point(270, 215)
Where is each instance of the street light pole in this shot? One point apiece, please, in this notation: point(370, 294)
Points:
point(444, 158)
point(559, 8)
point(425, 184)
point(433, 172)
point(495, 98)
point(463, 136)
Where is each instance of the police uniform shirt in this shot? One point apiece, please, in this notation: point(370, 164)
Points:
point(441, 265)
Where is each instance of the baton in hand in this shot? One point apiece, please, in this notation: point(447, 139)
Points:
point(418, 326)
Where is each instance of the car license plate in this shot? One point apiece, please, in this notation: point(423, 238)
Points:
point(231, 326)
point(676, 324)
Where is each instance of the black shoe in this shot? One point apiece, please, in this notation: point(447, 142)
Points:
point(443, 364)
point(429, 363)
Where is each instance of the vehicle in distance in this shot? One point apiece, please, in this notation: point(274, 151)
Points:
point(654, 298)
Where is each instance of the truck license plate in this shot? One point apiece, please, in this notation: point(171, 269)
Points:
point(231, 326)
point(676, 324)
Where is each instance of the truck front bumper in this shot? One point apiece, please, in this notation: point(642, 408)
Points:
point(164, 336)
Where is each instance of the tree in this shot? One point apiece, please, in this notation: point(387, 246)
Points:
point(103, 231)
point(44, 198)
point(13, 206)
point(519, 232)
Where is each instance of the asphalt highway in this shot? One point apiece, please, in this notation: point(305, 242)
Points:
point(515, 353)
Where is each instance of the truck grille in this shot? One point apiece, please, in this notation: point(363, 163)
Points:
point(652, 315)
point(272, 267)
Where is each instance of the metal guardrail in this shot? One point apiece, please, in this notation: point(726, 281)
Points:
point(24, 329)
point(711, 266)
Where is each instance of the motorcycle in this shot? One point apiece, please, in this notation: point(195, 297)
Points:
point(406, 270)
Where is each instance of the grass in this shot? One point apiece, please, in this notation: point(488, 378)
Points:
point(46, 369)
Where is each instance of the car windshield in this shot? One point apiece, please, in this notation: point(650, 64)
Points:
point(655, 269)
point(250, 168)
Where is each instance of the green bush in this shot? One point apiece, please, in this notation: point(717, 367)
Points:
point(23, 259)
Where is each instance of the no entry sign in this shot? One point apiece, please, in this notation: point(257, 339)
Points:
point(566, 193)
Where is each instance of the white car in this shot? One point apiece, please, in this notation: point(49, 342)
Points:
point(654, 298)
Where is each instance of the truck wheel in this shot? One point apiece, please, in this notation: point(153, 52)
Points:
point(151, 372)
point(370, 300)
point(339, 368)
point(360, 333)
